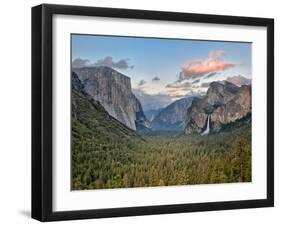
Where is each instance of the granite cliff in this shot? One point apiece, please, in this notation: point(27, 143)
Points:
point(224, 103)
point(113, 91)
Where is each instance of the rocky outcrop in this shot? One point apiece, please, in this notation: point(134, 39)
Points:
point(113, 90)
point(197, 116)
point(141, 122)
point(235, 109)
point(220, 93)
point(173, 116)
point(224, 103)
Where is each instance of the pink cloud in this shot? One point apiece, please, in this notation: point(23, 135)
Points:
point(213, 63)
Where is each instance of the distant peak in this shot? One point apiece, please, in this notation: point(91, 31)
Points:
point(239, 80)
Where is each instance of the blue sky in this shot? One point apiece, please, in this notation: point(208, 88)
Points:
point(175, 63)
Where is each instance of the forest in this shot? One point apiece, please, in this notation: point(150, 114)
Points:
point(161, 160)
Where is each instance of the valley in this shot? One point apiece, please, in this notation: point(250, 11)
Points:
point(115, 145)
point(164, 159)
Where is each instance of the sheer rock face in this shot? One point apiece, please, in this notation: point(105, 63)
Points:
point(173, 116)
point(197, 116)
point(235, 109)
point(113, 90)
point(224, 102)
point(90, 113)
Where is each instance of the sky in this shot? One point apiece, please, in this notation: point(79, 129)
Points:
point(164, 68)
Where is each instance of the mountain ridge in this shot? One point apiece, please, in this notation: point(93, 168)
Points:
point(239, 80)
point(224, 103)
point(172, 116)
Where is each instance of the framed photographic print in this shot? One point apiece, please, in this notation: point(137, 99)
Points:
point(146, 112)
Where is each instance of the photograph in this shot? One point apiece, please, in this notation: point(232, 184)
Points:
point(142, 112)
point(149, 111)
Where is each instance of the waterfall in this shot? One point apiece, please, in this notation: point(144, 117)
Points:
point(207, 130)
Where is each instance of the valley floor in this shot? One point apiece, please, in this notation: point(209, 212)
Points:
point(165, 159)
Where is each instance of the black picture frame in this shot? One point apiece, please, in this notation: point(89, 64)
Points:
point(42, 111)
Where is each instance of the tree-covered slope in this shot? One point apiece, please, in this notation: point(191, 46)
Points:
point(93, 131)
